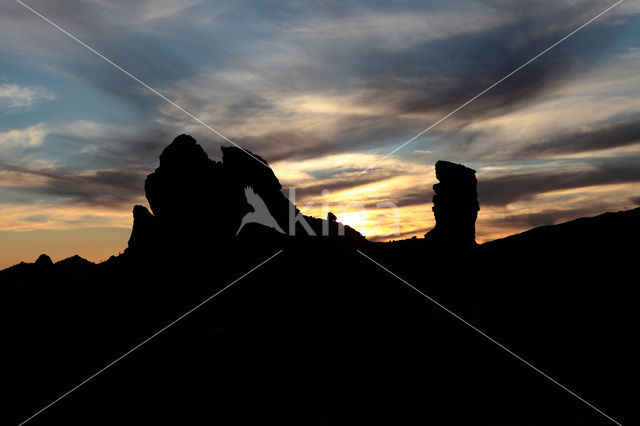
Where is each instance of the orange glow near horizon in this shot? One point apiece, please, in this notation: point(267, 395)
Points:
point(94, 244)
point(95, 233)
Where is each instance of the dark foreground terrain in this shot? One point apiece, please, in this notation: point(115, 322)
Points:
point(320, 334)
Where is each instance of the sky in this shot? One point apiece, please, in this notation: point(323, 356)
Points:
point(322, 90)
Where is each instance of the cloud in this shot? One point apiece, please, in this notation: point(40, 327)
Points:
point(508, 188)
point(16, 96)
point(358, 79)
point(588, 139)
point(595, 110)
point(319, 79)
point(97, 188)
point(84, 146)
point(29, 137)
point(398, 31)
point(17, 217)
point(36, 218)
point(159, 9)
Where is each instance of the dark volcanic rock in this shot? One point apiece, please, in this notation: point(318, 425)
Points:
point(455, 205)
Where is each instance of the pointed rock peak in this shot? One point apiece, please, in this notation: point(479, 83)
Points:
point(183, 152)
point(44, 260)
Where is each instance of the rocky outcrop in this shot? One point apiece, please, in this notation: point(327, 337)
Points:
point(455, 205)
point(198, 201)
point(180, 191)
point(145, 228)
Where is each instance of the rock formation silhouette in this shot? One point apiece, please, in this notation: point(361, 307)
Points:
point(319, 334)
point(144, 233)
point(455, 205)
point(196, 201)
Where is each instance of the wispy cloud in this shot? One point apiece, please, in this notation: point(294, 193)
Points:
point(29, 137)
point(16, 96)
point(97, 188)
point(516, 186)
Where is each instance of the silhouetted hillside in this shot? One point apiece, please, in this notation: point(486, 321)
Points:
point(611, 230)
point(319, 334)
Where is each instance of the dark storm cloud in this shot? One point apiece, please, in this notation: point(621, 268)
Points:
point(635, 200)
point(502, 190)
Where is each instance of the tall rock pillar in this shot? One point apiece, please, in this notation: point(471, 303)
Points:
point(455, 205)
